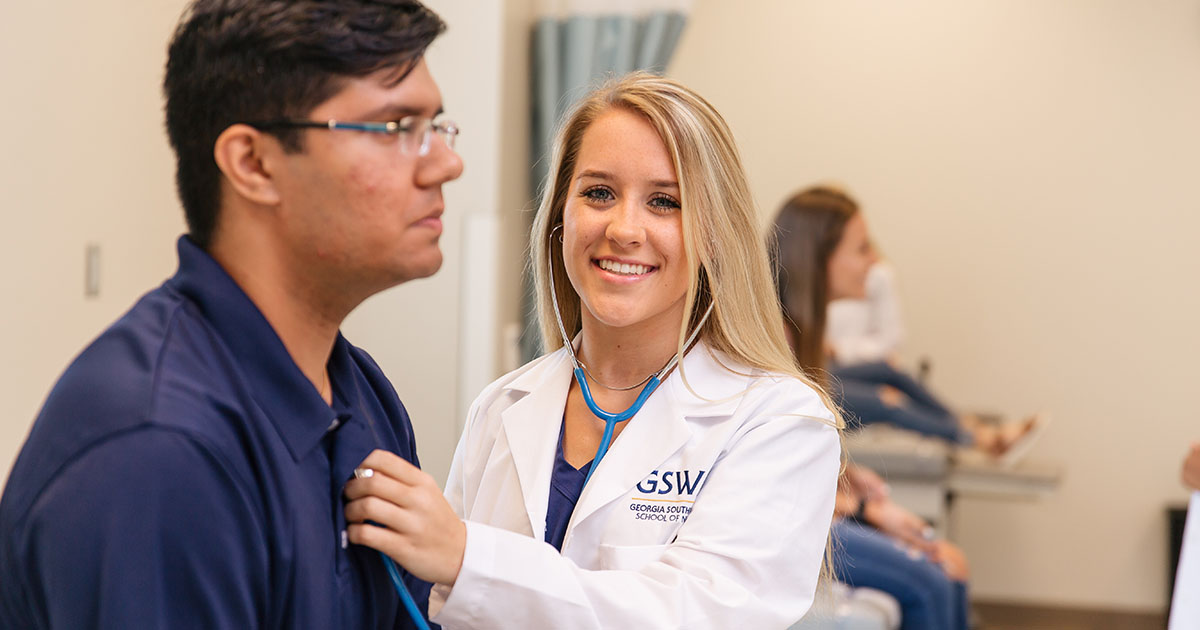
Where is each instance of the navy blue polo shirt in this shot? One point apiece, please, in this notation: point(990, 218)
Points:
point(183, 473)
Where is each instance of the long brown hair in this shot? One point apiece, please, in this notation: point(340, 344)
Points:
point(806, 232)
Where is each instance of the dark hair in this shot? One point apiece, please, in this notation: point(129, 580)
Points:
point(234, 61)
point(807, 230)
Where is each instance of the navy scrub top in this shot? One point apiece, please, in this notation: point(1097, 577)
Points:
point(566, 484)
point(183, 473)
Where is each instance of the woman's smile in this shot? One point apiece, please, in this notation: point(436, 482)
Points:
point(624, 271)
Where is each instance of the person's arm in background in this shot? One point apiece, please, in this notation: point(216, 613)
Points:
point(1191, 468)
point(863, 494)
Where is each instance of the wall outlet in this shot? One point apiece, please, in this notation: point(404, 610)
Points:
point(91, 270)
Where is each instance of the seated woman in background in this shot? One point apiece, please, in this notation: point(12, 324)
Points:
point(823, 253)
point(824, 248)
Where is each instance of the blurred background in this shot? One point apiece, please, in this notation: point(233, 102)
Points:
point(1029, 169)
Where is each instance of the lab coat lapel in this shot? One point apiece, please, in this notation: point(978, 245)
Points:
point(653, 435)
point(531, 429)
point(661, 428)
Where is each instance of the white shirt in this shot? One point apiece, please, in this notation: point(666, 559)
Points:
point(703, 514)
point(867, 330)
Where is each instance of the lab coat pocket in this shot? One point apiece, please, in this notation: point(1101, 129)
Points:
point(629, 557)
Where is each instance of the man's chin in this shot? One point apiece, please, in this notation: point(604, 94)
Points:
point(424, 268)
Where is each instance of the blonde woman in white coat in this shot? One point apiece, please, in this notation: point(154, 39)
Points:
point(712, 507)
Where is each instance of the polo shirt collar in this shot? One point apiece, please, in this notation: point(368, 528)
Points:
point(281, 390)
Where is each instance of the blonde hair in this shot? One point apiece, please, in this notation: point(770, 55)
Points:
point(721, 238)
point(720, 234)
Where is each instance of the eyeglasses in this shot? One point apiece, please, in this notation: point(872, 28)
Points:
point(416, 132)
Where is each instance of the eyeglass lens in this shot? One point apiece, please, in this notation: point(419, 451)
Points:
point(447, 130)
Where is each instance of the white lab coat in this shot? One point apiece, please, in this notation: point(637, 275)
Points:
point(760, 464)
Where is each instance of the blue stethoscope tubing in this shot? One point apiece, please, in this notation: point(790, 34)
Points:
point(405, 597)
point(611, 420)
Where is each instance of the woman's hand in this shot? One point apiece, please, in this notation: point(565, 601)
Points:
point(894, 520)
point(410, 519)
point(951, 559)
point(866, 482)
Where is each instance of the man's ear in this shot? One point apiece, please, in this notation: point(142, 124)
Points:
point(240, 151)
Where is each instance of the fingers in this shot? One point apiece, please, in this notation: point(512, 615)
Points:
point(380, 511)
point(424, 536)
point(379, 485)
point(390, 476)
point(393, 466)
point(373, 536)
point(952, 560)
point(916, 538)
point(421, 501)
point(396, 546)
point(892, 519)
point(874, 481)
point(918, 532)
point(385, 526)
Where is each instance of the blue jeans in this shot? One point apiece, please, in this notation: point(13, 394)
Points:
point(862, 556)
point(857, 389)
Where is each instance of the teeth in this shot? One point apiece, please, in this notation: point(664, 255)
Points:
point(624, 269)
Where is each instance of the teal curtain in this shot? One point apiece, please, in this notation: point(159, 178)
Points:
point(570, 56)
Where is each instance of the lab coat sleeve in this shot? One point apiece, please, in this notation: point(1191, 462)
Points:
point(467, 451)
point(748, 556)
point(454, 479)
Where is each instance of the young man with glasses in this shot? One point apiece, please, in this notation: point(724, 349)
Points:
point(187, 469)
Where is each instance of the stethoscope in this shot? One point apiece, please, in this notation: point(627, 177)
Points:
point(651, 383)
point(611, 420)
point(406, 598)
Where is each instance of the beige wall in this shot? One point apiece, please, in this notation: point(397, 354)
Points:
point(1030, 168)
point(85, 160)
point(424, 334)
